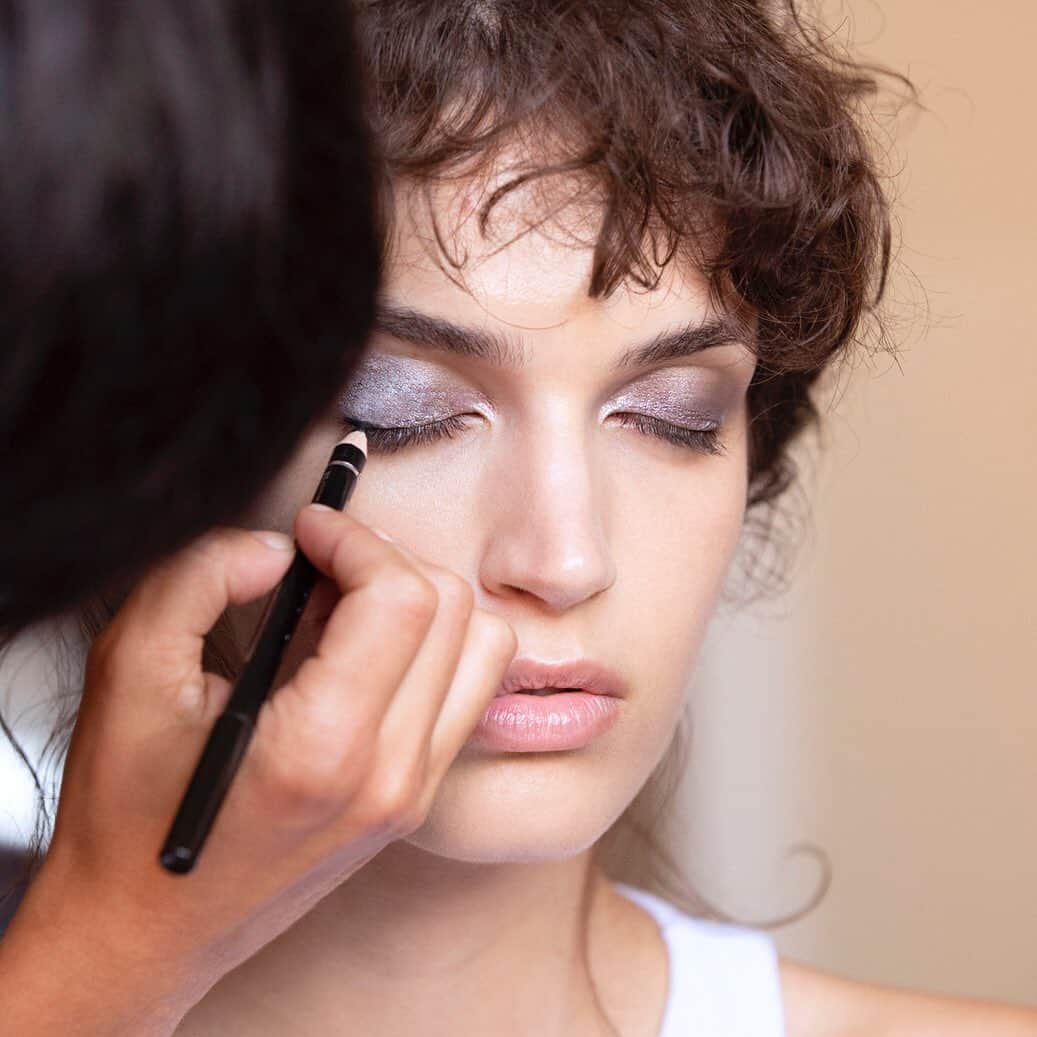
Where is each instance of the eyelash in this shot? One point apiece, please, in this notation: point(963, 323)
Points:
point(703, 440)
point(390, 440)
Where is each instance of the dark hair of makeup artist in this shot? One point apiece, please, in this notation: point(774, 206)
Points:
point(187, 271)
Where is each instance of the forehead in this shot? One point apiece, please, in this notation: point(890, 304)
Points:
point(528, 265)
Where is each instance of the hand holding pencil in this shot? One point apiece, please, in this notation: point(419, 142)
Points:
point(345, 758)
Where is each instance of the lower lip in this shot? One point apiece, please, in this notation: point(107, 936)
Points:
point(519, 723)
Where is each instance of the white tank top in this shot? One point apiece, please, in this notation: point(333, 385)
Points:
point(723, 979)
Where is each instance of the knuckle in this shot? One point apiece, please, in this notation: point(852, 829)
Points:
point(304, 788)
point(299, 802)
point(317, 776)
point(496, 634)
point(455, 594)
point(301, 785)
point(341, 546)
point(395, 801)
point(409, 595)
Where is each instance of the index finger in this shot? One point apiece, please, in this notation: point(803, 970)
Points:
point(341, 547)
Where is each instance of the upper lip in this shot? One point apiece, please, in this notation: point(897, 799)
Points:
point(585, 674)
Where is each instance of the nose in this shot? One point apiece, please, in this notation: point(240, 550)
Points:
point(548, 525)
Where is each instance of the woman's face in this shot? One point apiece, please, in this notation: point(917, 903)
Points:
point(591, 490)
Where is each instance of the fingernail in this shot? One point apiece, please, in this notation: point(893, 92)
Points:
point(319, 507)
point(384, 536)
point(278, 541)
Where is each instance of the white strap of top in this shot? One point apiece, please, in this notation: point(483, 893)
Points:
point(724, 979)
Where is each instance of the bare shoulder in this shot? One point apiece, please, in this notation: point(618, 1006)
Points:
point(818, 1004)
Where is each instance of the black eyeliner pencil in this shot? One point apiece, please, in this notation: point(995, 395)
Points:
point(232, 732)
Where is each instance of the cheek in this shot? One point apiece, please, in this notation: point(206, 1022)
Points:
point(427, 504)
point(681, 542)
point(674, 541)
point(679, 532)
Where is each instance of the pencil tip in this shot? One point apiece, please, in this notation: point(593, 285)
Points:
point(357, 438)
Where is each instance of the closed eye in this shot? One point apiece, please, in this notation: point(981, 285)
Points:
point(704, 440)
point(388, 440)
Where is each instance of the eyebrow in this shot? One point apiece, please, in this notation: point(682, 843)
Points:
point(683, 342)
point(436, 333)
point(421, 329)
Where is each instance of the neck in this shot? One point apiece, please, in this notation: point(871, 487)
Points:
point(416, 943)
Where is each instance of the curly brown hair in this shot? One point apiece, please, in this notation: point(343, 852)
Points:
point(724, 132)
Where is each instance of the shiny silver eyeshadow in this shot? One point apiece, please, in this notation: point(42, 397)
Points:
point(692, 397)
point(395, 391)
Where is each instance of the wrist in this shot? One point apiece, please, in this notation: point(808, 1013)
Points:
point(63, 972)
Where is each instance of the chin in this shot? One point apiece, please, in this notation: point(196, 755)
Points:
point(523, 808)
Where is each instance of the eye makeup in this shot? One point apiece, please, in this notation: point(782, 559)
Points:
point(686, 405)
point(696, 397)
point(402, 401)
point(392, 391)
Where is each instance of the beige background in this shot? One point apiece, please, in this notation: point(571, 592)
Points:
point(887, 710)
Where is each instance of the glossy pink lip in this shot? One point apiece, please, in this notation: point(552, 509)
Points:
point(528, 674)
point(516, 722)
